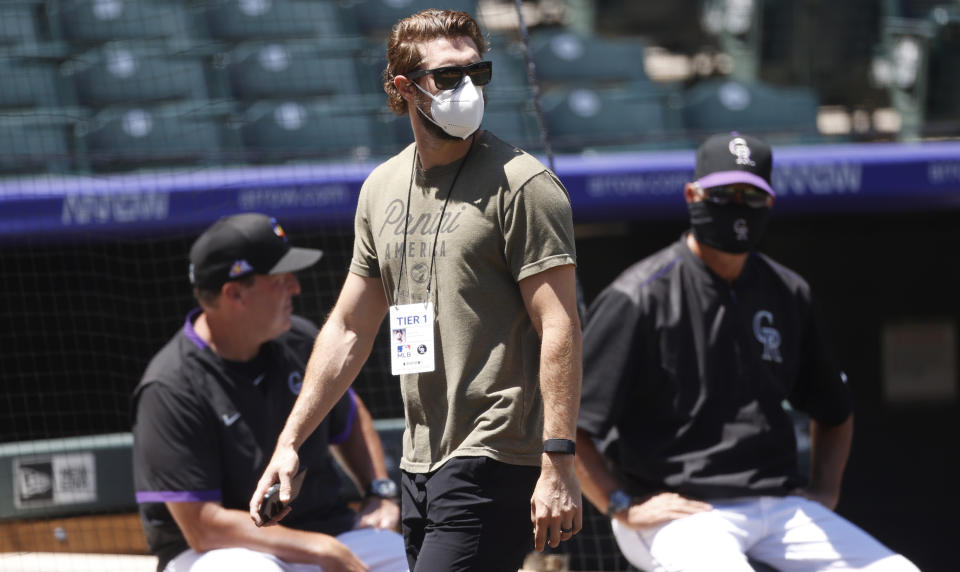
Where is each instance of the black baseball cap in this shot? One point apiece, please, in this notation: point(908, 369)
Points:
point(240, 245)
point(730, 158)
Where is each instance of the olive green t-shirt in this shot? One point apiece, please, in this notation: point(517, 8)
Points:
point(507, 218)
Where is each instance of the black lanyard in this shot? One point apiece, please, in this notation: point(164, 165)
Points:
point(436, 237)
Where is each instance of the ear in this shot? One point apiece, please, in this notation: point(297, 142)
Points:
point(231, 292)
point(690, 193)
point(405, 87)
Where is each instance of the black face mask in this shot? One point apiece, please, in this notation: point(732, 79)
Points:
point(733, 228)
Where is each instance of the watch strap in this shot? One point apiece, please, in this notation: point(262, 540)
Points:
point(563, 446)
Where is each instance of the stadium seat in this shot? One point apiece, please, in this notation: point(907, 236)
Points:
point(943, 75)
point(120, 73)
point(17, 24)
point(582, 118)
point(567, 58)
point(246, 20)
point(720, 105)
point(509, 70)
point(290, 71)
point(676, 25)
point(34, 143)
point(370, 63)
point(514, 123)
point(28, 83)
point(100, 21)
point(377, 17)
point(289, 131)
point(129, 138)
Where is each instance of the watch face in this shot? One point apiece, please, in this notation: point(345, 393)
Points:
point(385, 488)
point(619, 501)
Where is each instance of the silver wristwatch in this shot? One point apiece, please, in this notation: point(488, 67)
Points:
point(383, 488)
point(619, 502)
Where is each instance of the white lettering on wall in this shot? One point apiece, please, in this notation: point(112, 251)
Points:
point(942, 172)
point(114, 208)
point(824, 179)
point(645, 184)
point(268, 199)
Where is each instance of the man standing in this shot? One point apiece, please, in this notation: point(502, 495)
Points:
point(211, 405)
point(688, 356)
point(468, 243)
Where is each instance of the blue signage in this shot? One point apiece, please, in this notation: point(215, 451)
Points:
point(610, 187)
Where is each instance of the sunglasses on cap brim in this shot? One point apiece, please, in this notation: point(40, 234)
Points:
point(450, 77)
point(750, 196)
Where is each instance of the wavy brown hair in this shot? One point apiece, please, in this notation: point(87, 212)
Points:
point(403, 46)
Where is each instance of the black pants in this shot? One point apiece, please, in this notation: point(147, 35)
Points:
point(471, 514)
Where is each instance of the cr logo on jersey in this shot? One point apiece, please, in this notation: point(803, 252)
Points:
point(767, 335)
point(295, 382)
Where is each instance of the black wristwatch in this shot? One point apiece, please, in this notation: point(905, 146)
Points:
point(383, 488)
point(563, 446)
point(619, 502)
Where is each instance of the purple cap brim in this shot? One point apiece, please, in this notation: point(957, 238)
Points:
point(721, 178)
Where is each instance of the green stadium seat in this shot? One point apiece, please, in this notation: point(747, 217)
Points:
point(509, 70)
point(290, 131)
point(246, 20)
point(100, 21)
point(377, 17)
point(371, 61)
point(289, 71)
point(121, 73)
point(130, 138)
point(514, 123)
point(586, 118)
point(568, 58)
point(18, 25)
point(34, 143)
point(943, 71)
point(778, 112)
point(676, 25)
point(28, 83)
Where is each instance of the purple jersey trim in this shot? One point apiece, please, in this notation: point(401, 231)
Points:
point(190, 332)
point(721, 178)
point(178, 496)
point(351, 417)
point(660, 272)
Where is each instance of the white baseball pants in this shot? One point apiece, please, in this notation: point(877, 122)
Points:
point(381, 550)
point(791, 534)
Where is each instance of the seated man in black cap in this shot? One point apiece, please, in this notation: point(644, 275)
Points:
point(211, 404)
point(688, 356)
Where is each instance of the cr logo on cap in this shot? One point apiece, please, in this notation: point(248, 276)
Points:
point(740, 150)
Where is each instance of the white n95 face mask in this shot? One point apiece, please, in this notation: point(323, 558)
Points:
point(457, 111)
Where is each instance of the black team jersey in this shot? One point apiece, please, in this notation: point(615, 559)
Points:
point(204, 429)
point(685, 375)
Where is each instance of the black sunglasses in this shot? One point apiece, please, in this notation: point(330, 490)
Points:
point(449, 77)
point(751, 196)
